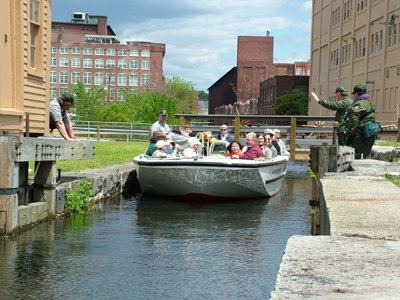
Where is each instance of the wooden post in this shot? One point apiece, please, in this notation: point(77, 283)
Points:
point(292, 138)
point(98, 133)
point(8, 187)
point(181, 122)
point(45, 181)
point(237, 128)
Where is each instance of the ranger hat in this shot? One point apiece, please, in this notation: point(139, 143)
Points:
point(68, 97)
point(341, 89)
point(163, 113)
point(360, 88)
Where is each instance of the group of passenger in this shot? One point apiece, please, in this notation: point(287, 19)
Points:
point(267, 144)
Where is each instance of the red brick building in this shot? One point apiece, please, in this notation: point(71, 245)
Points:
point(254, 64)
point(88, 50)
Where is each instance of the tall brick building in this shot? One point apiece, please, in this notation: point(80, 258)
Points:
point(255, 64)
point(88, 50)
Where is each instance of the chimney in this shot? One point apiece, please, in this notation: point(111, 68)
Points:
point(102, 27)
point(268, 32)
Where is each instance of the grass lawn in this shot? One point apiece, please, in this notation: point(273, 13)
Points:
point(106, 154)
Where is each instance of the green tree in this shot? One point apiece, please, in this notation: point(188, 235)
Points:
point(89, 104)
point(292, 103)
point(203, 96)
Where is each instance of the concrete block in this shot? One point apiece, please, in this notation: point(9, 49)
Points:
point(60, 199)
point(32, 213)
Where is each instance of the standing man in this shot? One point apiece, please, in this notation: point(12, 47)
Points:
point(253, 150)
point(161, 124)
point(360, 111)
point(59, 117)
point(224, 135)
point(342, 104)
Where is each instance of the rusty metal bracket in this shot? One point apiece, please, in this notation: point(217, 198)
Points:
point(313, 203)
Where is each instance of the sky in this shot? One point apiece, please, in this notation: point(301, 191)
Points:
point(201, 35)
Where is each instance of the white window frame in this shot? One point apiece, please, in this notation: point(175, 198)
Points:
point(87, 78)
point(64, 62)
point(134, 52)
point(133, 79)
point(76, 50)
point(75, 62)
point(145, 53)
point(53, 50)
point(110, 63)
point(145, 65)
point(111, 52)
point(87, 63)
point(53, 77)
point(75, 77)
point(121, 79)
point(99, 51)
point(53, 62)
point(122, 64)
point(144, 78)
point(87, 51)
point(64, 50)
point(53, 92)
point(122, 52)
point(63, 77)
point(134, 65)
point(98, 79)
point(99, 63)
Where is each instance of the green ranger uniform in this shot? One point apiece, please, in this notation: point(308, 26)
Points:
point(340, 107)
point(361, 112)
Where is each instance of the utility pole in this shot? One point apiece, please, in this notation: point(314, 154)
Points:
point(109, 74)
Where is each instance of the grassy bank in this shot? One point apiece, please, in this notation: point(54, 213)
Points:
point(106, 154)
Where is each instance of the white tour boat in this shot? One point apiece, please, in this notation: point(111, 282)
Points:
point(210, 176)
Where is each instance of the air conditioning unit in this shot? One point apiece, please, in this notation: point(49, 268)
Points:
point(78, 17)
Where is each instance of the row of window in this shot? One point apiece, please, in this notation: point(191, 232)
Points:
point(99, 63)
point(347, 10)
point(61, 90)
point(100, 51)
point(87, 78)
point(392, 36)
point(267, 96)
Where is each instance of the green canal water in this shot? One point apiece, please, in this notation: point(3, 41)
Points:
point(142, 247)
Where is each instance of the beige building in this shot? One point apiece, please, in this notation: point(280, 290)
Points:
point(353, 42)
point(25, 51)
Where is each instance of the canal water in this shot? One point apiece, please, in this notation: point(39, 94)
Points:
point(142, 247)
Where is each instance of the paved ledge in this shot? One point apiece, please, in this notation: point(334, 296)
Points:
point(385, 153)
point(322, 267)
point(32, 213)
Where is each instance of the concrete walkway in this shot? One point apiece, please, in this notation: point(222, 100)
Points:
point(359, 258)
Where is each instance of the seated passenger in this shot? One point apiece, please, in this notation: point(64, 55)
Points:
point(273, 141)
point(268, 146)
point(253, 150)
point(192, 147)
point(260, 139)
point(188, 131)
point(282, 144)
point(234, 148)
point(161, 149)
point(158, 135)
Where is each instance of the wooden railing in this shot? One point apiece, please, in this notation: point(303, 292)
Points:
point(238, 129)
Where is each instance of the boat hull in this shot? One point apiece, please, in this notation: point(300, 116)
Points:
point(211, 177)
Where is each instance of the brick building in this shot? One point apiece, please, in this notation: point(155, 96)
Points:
point(88, 50)
point(254, 65)
point(277, 86)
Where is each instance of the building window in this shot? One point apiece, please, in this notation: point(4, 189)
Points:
point(144, 78)
point(122, 79)
point(145, 53)
point(376, 42)
point(75, 77)
point(53, 92)
point(53, 50)
point(75, 62)
point(112, 95)
point(34, 32)
point(372, 43)
point(364, 46)
point(87, 78)
point(76, 51)
point(64, 50)
point(63, 77)
point(345, 11)
point(99, 63)
point(64, 62)
point(84, 28)
point(111, 52)
point(390, 37)
point(122, 64)
point(359, 47)
point(87, 51)
point(133, 80)
point(53, 62)
point(356, 52)
point(99, 51)
point(121, 95)
point(98, 79)
point(134, 52)
point(122, 52)
point(145, 65)
point(87, 63)
point(381, 41)
point(53, 77)
point(394, 34)
point(110, 63)
point(134, 64)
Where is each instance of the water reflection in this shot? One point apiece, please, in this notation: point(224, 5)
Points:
point(146, 248)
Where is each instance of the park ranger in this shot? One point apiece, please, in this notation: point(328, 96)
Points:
point(342, 104)
point(362, 110)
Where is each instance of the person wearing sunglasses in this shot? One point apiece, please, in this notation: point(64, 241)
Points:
point(224, 135)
